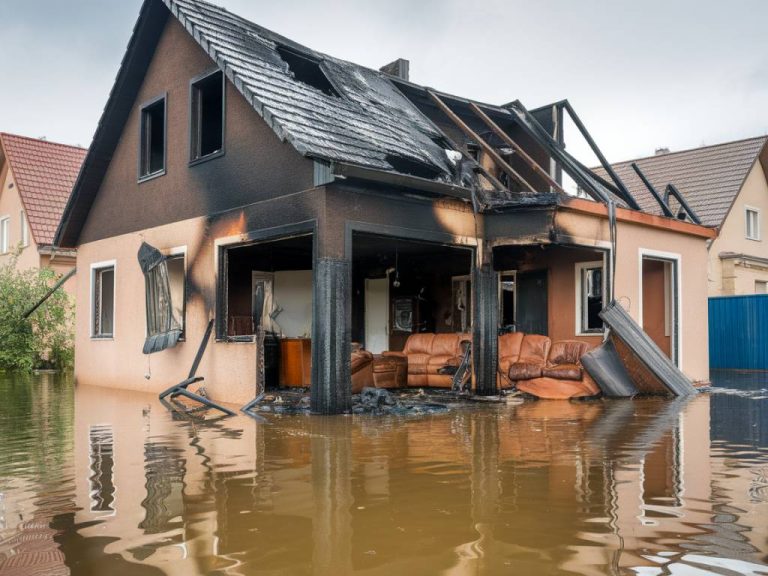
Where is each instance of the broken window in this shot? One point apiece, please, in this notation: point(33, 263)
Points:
point(207, 116)
point(307, 70)
point(164, 316)
point(590, 289)
point(103, 301)
point(152, 146)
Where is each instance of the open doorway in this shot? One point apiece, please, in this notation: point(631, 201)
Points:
point(659, 301)
point(269, 286)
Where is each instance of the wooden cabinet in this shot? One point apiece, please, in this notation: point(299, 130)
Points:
point(295, 362)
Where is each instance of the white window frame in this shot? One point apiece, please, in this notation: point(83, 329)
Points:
point(756, 233)
point(764, 284)
point(24, 228)
point(95, 267)
point(579, 268)
point(5, 234)
point(677, 259)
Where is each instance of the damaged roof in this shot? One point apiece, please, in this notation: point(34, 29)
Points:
point(363, 119)
point(44, 173)
point(709, 177)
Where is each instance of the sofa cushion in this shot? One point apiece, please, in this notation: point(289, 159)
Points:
point(436, 362)
point(417, 363)
point(534, 348)
point(445, 345)
point(419, 344)
point(563, 372)
point(524, 370)
point(567, 352)
point(509, 346)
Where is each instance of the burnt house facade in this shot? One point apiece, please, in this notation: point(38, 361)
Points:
point(328, 204)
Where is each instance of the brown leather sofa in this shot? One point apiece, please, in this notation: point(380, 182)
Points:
point(362, 369)
point(427, 353)
point(533, 364)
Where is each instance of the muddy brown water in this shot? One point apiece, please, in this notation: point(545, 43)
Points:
point(98, 481)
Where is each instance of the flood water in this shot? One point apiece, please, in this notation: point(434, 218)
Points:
point(97, 481)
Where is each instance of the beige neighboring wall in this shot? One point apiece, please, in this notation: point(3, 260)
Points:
point(229, 368)
point(635, 239)
point(11, 206)
point(733, 277)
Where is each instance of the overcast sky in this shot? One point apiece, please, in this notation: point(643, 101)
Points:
point(642, 74)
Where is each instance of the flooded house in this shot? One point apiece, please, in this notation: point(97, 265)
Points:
point(367, 225)
point(36, 178)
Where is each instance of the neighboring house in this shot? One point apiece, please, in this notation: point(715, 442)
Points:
point(330, 203)
point(726, 185)
point(36, 178)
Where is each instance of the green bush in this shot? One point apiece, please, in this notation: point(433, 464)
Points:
point(46, 338)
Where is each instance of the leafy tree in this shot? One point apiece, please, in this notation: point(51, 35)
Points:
point(46, 338)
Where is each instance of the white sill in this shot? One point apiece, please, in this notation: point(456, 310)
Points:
point(753, 239)
point(148, 177)
point(103, 338)
point(582, 334)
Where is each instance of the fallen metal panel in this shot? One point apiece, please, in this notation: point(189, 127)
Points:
point(607, 370)
point(651, 371)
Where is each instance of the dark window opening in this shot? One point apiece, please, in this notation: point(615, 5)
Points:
point(307, 70)
point(412, 167)
point(507, 297)
point(592, 299)
point(207, 116)
point(152, 139)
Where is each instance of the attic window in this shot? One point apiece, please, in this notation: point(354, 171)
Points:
point(152, 145)
point(207, 116)
point(307, 70)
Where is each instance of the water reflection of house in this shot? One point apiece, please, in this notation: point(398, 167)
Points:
point(369, 207)
point(584, 487)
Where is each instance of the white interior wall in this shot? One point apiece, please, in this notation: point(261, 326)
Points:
point(293, 293)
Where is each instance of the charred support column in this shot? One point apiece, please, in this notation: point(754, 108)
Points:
point(331, 351)
point(485, 334)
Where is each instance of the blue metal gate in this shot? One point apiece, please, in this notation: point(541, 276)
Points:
point(738, 332)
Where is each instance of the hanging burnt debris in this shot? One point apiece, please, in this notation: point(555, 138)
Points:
point(163, 325)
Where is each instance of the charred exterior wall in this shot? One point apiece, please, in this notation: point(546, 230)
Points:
point(256, 164)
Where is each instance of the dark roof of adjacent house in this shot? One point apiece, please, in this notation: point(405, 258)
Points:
point(709, 177)
point(44, 173)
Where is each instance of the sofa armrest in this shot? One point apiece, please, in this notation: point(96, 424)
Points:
point(393, 354)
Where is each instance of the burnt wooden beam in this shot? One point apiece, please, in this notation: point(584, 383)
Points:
point(485, 329)
point(487, 148)
point(516, 147)
point(626, 195)
point(671, 188)
point(659, 200)
point(331, 390)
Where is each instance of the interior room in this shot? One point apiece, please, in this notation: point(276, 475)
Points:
point(401, 287)
point(269, 285)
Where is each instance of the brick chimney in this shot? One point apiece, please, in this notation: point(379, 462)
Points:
point(399, 68)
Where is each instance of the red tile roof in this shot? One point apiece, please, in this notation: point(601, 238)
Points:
point(45, 173)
